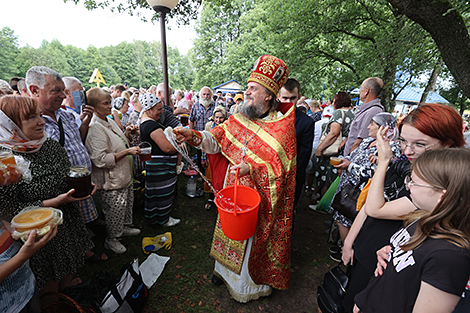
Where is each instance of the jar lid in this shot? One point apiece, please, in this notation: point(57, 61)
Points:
point(78, 171)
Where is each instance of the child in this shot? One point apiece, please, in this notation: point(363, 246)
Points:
point(429, 260)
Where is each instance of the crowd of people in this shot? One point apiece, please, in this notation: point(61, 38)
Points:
point(408, 245)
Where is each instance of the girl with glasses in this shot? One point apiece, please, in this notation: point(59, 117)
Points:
point(429, 127)
point(429, 259)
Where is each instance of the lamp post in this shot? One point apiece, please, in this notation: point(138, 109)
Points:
point(163, 7)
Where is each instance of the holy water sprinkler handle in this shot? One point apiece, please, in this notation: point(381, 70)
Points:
point(235, 191)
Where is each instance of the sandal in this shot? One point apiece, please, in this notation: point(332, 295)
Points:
point(97, 257)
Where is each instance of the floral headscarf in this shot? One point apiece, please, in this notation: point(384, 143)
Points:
point(11, 137)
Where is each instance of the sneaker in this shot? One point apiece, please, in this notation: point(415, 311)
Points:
point(207, 206)
point(128, 231)
point(172, 222)
point(114, 245)
point(313, 207)
point(336, 257)
point(335, 249)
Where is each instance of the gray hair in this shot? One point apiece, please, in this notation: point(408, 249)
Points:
point(161, 88)
point(180, 93)
point(37, 76)
point(69, 81)
point(5, 87)
point(210, 89)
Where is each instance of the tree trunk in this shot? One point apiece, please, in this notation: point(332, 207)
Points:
point(447, 27)
point(431, 86)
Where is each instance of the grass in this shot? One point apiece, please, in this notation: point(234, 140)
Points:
point(185, 282)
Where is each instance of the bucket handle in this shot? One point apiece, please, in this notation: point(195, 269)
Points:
point(237, 178)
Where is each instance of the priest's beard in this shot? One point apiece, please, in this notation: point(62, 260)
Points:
point(252, 111)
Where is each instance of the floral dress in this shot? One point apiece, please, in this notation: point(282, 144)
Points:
point(360, 170)
point(65, 253)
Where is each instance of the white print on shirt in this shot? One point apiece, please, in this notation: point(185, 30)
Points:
point(401, 259)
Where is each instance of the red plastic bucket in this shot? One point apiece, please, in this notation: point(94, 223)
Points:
point(238, 225)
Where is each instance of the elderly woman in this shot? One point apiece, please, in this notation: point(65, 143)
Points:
point(119, 112)
point(357, 167)
point(218, 117)
point(22, 133)
point(112, 162)
point(160, 182)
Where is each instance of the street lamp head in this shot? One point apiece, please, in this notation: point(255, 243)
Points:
point(162, 5)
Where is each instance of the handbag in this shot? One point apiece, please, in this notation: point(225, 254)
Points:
point(331, 293)
point(129, 294)
point(332, 149)
point(345, 201)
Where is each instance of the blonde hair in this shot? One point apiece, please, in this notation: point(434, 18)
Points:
point(447, 170)
point(95, 95)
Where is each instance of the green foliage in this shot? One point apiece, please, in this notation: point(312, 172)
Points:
point(9, 52)
point(138, 63)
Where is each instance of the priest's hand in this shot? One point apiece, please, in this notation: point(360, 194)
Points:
point(244, 169)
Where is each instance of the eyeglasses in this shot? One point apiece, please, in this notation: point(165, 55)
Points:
point(416, 147)
point(409, 182)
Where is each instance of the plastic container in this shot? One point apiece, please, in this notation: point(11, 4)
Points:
point(145, 154)
point(7, 158)
point(145, 151)
point(191, 187)
point(238, 224)
point(335, 160)
point(35, 218)
point(79, 178)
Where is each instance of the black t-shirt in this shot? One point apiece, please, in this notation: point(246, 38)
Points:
point(376, 233)
point(146, 128)
point(437, 262)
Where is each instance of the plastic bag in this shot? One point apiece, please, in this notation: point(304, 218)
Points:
point(22, 166)
point(324, 204)
point(363, 196)
point(155, 243)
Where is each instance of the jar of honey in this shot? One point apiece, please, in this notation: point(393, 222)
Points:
point(79, 178)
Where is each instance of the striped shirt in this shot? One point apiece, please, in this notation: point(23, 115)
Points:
point(76, 151)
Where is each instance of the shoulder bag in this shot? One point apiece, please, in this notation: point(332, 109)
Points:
point(345, 200)
point(129, 294)
point(331, 293)
point(334, 147)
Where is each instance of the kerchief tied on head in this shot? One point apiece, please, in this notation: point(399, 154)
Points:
point(11, 137)
point(119, 102)
point(147, 101)
point(271, 72)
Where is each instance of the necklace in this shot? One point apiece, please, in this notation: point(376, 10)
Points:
point(247, 141)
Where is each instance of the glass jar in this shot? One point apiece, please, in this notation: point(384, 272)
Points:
point(79, 178)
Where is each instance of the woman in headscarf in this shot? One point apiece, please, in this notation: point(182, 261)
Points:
point(357, 167)
point(161, 178)
point(119, 112)
point(22, 133)
point(218, 117)
point(112, 162)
